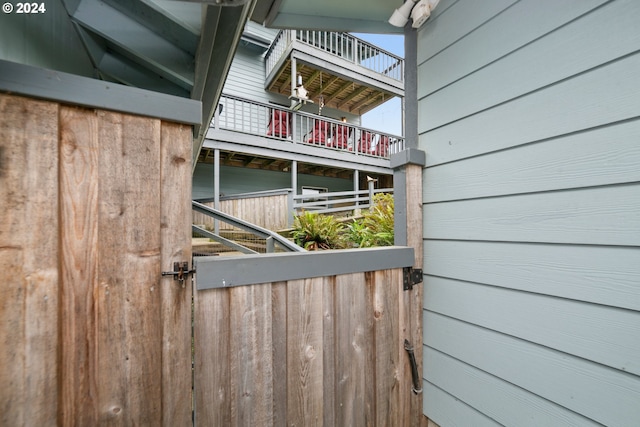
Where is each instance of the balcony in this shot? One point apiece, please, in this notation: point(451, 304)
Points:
point(251, 123)
point(337, 69)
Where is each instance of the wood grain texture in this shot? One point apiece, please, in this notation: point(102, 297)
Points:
point(411, 312)
point(351, 346)
point(305, 352)
point(212, 341)
point(600, 275)
point(269, 212)
point(390, 358)
point(323, 351)
point(28, 261)
point(79, 189)
point(597, 392)
point(175, 235)
point(251, 365)
point(279, 308)
point(329, 353)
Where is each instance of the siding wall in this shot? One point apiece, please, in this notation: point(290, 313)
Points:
point(246, 78)
point(234, 180)
point(529, 112)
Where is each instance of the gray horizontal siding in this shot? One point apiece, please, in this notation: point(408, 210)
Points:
point(597, 392)
point(246, 76)
point(235, 180)
point(529, 113)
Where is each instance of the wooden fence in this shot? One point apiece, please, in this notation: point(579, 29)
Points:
point(95, 205)
point(270, 211)
point(91, 332)
point(324, 351)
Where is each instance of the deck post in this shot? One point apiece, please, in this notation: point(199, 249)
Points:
point(216, 187)
point(407, 180)
point(294, 190)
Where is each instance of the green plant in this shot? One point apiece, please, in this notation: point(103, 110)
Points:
point(313, 232)
point(376, 228)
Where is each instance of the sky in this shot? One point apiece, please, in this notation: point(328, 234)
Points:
point(388, 116)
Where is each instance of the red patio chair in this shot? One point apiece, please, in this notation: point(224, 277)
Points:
point(382, 149)
point(279, 124)
point(341, 137)
point(319, 132)
point(364, 144)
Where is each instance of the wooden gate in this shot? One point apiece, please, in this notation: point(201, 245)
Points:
point(322, 351)
point(95, 204)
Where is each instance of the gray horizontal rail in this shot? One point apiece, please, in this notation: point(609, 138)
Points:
point(224, 272)
point(228, 243)
point(246, 226)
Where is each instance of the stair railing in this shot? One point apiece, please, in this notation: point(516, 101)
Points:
point(272, 238)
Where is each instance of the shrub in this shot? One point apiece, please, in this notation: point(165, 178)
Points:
point(313, 232)
point(376, 228)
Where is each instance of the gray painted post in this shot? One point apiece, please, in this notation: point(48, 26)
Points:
point(216, 187)
point(356, 187)
point(290, 201)
point(294, 189)
point(371, 183)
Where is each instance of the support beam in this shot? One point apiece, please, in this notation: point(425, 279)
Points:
point(216, 187)
point(352, 95)
point(342, 89)
point(331, 81)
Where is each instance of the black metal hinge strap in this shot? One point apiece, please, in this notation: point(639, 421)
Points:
point(415, 375)
point(411, 276)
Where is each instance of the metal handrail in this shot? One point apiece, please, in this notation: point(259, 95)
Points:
point(271, 237)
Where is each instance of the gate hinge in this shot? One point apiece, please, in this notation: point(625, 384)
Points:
point(411, 276)
point(180, 271)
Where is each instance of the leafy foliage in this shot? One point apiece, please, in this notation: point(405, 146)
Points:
point(376, 228)
point(313, 231)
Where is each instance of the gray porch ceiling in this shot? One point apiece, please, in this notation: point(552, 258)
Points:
point(181, 48)
point(360, 16)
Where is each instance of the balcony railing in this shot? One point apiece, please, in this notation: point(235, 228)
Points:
point(260, 119)
point(342, 45)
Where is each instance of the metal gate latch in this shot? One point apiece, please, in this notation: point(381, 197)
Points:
point(180, 272)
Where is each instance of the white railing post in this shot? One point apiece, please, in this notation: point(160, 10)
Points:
point(371, 183)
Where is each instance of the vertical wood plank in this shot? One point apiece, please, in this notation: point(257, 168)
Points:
point(388, 349)
point(212, 340)
point(79, 177)
point(329, 350)
point(413, 298)
point(305, 352)
point(279, 352)
point(110, 294)
point(251, 372)
point(28, 261)
point(351, 374)
point(175, 195)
